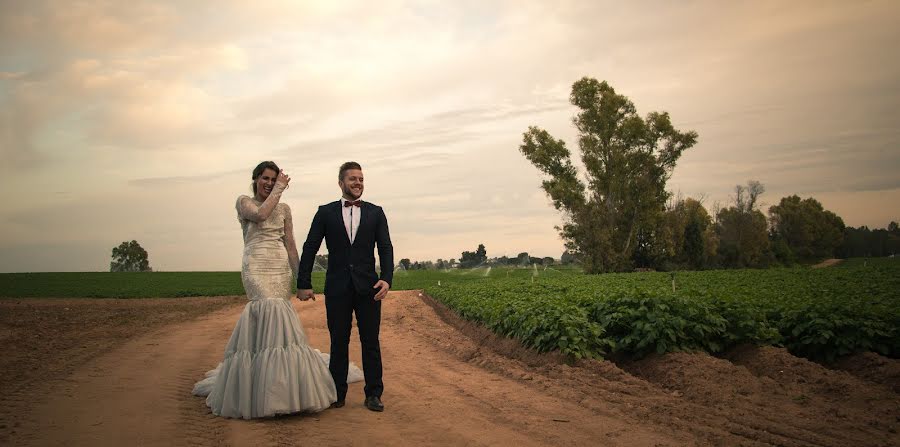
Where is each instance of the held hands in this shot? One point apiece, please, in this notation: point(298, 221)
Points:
point(384, 289)
point(307, 294)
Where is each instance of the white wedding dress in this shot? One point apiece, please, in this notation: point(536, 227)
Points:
point(269, 367)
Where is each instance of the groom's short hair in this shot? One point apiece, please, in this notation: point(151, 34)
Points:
point(346, 167)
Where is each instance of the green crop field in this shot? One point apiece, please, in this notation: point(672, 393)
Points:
point(182, 284)
point(119, 285)
point(815, 313)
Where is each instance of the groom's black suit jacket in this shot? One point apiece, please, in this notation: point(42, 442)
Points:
point(350, 266)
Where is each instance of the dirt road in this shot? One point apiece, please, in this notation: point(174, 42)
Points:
point(450, 383)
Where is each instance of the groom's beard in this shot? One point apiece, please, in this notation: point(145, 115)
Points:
point(349, 193)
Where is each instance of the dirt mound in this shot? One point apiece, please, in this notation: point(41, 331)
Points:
point(778, 398)
point(833, 397)
point(798, 375)
point(698, 376)
point(872, 367)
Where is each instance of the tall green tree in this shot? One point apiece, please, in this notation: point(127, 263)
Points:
point(628, 160)
point(807, 231)
point(471, 259)
point(690, 239)
point(742, 229)
point(523, 259)
point(129, 257)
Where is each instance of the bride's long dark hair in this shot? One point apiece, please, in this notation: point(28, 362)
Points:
point(259, 170)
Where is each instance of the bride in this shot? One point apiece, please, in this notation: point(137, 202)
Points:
point(269, 367)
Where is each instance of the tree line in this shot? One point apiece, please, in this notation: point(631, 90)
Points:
point(795, 231)
point(479, 258)
point(736, 236)
point(619, 215)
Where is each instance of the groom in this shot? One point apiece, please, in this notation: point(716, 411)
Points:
point(351, 228)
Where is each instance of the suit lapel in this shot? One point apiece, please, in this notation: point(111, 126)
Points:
point(339, 215)
point(366, 210)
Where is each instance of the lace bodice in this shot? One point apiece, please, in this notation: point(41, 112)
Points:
point(260, 232)
point(270, 259)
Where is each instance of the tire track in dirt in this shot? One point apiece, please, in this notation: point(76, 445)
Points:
point(140, 393)
point(450, 382)
point(46, 339)
point(434, 397)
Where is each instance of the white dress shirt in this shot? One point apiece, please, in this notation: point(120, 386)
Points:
point(351, 219)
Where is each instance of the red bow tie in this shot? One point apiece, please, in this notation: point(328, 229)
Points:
point(353, 203)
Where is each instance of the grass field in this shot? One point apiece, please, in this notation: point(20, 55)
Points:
point(120, 285)
point(183, 284)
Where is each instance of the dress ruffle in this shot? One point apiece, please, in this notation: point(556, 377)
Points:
point(269, 367)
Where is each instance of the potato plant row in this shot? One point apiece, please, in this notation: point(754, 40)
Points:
point(819, 314)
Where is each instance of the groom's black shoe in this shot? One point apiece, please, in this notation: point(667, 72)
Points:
point(374, 403)
point(338, 404)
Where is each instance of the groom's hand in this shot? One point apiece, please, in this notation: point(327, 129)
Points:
point(384, 289)
point(305, 294)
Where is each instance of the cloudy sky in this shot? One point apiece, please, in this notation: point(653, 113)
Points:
point(143, 119)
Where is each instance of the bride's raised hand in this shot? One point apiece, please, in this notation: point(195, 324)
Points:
point(282, 180)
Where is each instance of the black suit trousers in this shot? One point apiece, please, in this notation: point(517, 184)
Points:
point(339, 310)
